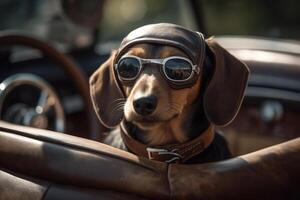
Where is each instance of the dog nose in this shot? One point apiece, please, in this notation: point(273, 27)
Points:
point(145, 105)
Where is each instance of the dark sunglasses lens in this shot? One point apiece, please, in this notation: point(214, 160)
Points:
point(178, 69)
point(128, 68)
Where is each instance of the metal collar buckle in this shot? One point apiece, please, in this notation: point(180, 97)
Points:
point(175, 156)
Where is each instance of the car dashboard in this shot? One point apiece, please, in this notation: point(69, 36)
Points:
point(270, 112)
point(32, 62)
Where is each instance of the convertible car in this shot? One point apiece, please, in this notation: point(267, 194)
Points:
point(50, 138)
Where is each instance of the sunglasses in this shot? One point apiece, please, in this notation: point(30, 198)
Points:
point(175, 68)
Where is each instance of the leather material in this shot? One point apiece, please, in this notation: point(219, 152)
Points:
point(51, 165)
point(225, 85)
point(190, 42)
point(271, 173)
point(18, 187)
point(62, 192)
point(14, 187)
point(79, 162)
point(170, 153)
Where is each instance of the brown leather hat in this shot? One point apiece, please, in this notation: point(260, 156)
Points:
point(191, 42)
point(222, 96)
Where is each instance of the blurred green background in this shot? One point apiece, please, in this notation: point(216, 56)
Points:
point(45, 18)
point(270, 18)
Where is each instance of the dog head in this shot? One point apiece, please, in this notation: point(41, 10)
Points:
point(152, 96)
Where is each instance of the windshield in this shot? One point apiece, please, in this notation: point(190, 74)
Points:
point(268, 18)
point(46, 19)
point(122, 16)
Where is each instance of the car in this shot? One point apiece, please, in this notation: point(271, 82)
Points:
point(50, 136)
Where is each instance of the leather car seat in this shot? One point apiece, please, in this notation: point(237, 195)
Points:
point(41, 164)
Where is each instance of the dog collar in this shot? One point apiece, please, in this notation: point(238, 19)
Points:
point(169, 153)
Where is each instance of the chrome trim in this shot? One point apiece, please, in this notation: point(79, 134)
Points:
point(47, 96)
point(271, 93)
point(159, 151)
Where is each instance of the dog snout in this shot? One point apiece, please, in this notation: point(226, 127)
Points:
point(145, 105)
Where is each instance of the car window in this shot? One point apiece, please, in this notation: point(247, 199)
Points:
point(44, 19)
point(271, 18)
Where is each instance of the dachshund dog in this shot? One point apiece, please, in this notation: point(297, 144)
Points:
point(164, 90)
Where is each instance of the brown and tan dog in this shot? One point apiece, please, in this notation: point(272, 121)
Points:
point(164, 89)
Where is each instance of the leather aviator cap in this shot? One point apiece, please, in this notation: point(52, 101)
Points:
point(222, 96)
point(190, 42)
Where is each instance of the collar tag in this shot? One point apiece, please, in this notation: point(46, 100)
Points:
point(156, 153)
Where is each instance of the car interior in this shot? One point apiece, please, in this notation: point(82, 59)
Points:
point(50, 136)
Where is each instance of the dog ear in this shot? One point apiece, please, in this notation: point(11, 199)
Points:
point(106, 94)
point(225, 91)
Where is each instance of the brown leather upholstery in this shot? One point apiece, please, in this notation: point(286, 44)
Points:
point(40, 164)
point(25, 188)
point(79, 162)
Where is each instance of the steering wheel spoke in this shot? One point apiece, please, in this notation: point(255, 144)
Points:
point(12, 38)
point(45, 102)
point(35, 115)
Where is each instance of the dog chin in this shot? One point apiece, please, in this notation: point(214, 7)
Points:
point(149, 123)
point(146, 125)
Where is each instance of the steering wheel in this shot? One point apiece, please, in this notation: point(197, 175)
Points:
point(64, 62)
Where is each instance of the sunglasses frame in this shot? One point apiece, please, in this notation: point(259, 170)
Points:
point(160, 61)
